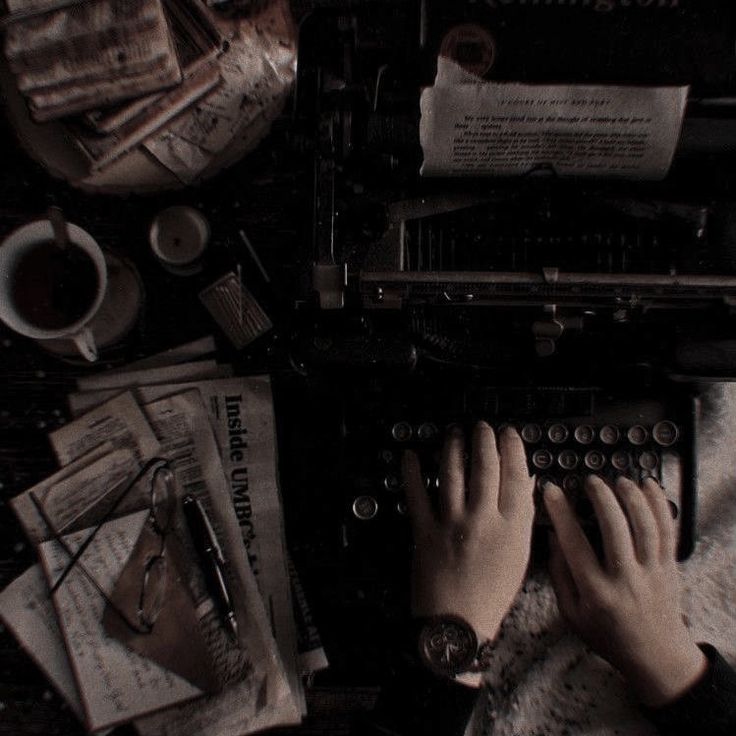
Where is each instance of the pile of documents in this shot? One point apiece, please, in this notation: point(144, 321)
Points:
point(120, 68)
point(190, 675)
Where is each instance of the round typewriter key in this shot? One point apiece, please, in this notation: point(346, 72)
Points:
point(402, 508)
point(402, 431)
point(665, 433)
point(572, 483)
point(594, 460)
point(386, 456)
point(621, 460)
point(568, 459)
point(392, 483)
point(427, 431)
point(584, 434)
point(648, 460)
point(637, 435)
point(365, 507)
point(542, 459)
point(558, 433)
point(531, 433)
point(609, 434)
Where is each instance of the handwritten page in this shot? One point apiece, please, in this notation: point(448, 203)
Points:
point(119, 421)
point(509, 129)
point(26, 609)
point(115, 684)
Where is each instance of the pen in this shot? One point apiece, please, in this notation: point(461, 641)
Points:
point(211, 557)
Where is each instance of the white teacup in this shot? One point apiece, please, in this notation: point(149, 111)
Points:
point(14, 311)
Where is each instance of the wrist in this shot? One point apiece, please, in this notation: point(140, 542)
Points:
point(662, 680)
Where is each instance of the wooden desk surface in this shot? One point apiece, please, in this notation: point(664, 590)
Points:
point(264, 195)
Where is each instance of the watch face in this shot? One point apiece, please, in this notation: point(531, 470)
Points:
point(448, 645)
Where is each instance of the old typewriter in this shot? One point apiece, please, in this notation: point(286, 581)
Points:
point(584, 313)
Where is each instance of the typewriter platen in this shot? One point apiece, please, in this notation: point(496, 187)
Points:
point(582, 313)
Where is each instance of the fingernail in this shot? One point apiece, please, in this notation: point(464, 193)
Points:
point(550, 489)
point(456, 430)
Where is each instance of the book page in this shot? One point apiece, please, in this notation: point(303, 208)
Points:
point(119, 421)
point(115, 684)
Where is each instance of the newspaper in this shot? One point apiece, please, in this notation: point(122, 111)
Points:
point(510, 129)
point(119, 421)
point(241, 413)
point(196, 463)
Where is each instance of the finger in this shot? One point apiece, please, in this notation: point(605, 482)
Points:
point(484, 470)
point(618, 545)
point(452, 475)
point(654, 495)
point(562, 579)
point(574, 546)
point(515, 494)
point(641, 519)
point(420, 509)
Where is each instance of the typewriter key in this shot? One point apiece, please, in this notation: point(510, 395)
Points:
point(386, 456)
point(568, 459)
point(595, 460)
point(572, 483)
point(609, 434)
point(648, 460)
point(542, 459)
point(365, 507)
point(637, 434)
point(558, 433)
point(531, 433)
point(402, 508)
point(665, 433)
point(584, 434)
point(621, 460)
point(402, 431)
point(392, 483)
point(427, 431)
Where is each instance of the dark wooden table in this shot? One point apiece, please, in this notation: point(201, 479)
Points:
point(265, 196)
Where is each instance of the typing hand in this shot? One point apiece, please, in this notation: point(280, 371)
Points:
point(471, 555)
point(627, 607)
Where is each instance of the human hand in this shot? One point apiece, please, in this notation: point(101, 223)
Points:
point(627, 608)
point(471, 556)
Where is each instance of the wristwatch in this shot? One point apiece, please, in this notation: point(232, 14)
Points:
point(449, 646)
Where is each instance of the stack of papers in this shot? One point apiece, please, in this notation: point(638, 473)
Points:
point(217, 433)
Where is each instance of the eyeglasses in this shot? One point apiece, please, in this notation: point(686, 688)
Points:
point(161, 498)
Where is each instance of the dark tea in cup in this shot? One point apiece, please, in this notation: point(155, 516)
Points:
point(53, 287)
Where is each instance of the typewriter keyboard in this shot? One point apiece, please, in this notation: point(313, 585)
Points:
point(636, 441)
